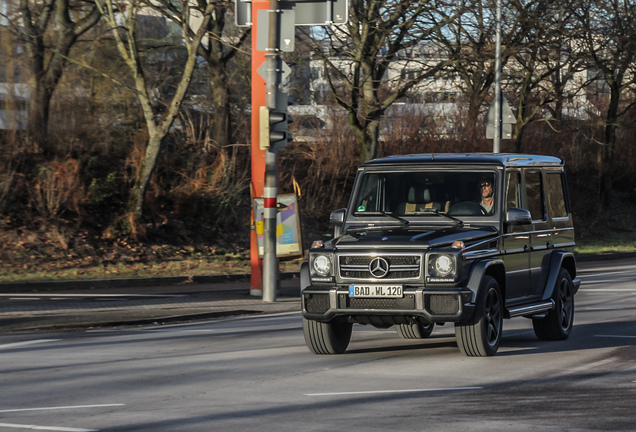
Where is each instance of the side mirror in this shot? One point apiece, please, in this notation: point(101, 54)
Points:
point(517, 216)
point(337, 218)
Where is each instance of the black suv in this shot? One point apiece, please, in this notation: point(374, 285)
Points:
point(435, 238)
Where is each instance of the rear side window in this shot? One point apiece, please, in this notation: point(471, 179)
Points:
point(556, 195)
point(534, 193)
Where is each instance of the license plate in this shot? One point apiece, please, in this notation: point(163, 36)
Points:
point(381, 291)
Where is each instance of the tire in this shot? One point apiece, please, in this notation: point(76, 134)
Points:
point(481, 335)
point(557, 324)
point(327, 338)
point(416, 330)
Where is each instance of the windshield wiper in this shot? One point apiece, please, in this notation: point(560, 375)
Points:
point(436, 212)
point(391, 215)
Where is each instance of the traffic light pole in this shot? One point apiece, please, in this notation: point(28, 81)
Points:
point(272, 61)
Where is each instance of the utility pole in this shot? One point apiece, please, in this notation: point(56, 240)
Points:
point(269, 114)
point(496, 144)
point(274, 69)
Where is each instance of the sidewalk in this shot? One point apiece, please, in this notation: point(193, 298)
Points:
point(59, 308)
point(109, 303)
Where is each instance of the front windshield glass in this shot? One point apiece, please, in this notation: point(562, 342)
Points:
point(421, 193)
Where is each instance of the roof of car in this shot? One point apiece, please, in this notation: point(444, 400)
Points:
point(504, 159)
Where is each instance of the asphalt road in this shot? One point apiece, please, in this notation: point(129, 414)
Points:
point(256, 374)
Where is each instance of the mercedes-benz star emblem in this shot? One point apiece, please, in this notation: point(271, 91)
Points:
point(379, 267)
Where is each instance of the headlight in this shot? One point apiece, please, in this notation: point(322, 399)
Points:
point(322, 265)
point(442, 266)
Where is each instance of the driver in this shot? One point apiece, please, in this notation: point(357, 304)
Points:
point(486, 192)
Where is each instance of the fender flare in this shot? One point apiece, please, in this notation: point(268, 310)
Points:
point(558, 260)
point(480, 268)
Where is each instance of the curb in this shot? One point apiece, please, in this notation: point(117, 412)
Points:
point(128, 283)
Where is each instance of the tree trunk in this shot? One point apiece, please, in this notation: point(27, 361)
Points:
point(138, 192)
point(38, 116)
point(221, 127)
point(368, 136)
point(607, 152)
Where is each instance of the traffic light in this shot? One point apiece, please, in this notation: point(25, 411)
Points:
point(273, 128)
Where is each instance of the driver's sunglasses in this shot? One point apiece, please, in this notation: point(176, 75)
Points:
point(483, 185)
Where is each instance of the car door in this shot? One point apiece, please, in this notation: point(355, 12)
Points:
point(516, 242)
point(541, 234)
point(559, 210)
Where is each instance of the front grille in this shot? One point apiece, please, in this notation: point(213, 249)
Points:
point(316, 303)
point(400, 266)
point(405, 303)
point(442, 304)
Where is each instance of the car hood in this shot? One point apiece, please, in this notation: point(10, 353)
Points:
point(411, 237)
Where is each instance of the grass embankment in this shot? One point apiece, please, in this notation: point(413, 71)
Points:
point(232, 264)
point(229, 264)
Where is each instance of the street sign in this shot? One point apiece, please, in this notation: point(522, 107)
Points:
point(243, 13)
point(318, 12)
point(308, 12)
point(262, 71)
point(506, 131)
point(287, 31)
point(507, 120)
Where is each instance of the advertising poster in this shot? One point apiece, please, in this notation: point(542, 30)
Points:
point(288, 238)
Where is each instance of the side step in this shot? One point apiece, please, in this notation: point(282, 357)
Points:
point(532, 309)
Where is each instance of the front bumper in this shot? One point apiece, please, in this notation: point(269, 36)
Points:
point(433, 305)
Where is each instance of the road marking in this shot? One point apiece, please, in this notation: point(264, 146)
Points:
point(61, 408)
point(589, 366)
point(93, 295)
point(395, 391)
point(48, 428)
point(25, 343)
point(604, 270)
point(616, 336)
point(607, 290)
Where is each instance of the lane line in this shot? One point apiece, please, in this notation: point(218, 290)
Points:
point(61, 408)
point(607, 290)
point(25, 343)
point(604, 270)
point(48, 428)
point(616, 336)
point(394, 391)
point(589, 366)
point(92, 295)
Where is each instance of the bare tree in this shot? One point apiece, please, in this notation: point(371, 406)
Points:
point(469, 42)
point(218, 49)
point(374, 61)
point(544, 62)
point(121, 18)
point(610, 43)
point(49, 30)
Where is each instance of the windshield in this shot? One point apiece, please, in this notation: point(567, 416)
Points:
point(422, 193)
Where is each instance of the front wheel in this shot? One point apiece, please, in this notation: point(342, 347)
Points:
point(416, 330)
point(481, 335)
point(327, 338)
point(557, 324)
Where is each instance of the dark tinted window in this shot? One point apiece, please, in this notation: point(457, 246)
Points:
point(534, 194)
point(513, 190)
point(421, 192)
point(556, 195)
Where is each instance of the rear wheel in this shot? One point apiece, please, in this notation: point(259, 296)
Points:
point(481, 335)
point(416, 330)
point(327, 338)
point(557, 324)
